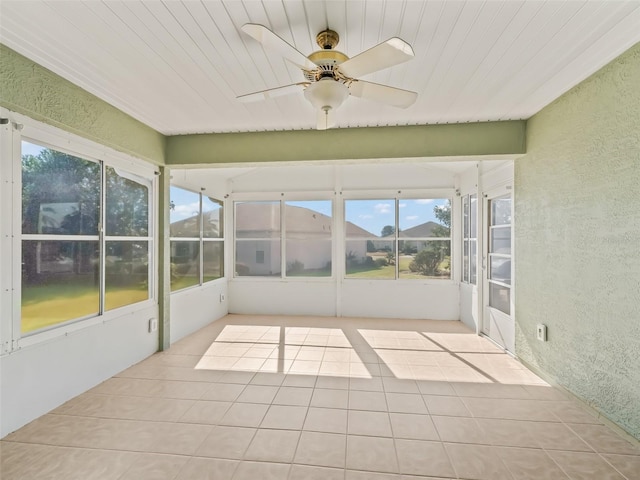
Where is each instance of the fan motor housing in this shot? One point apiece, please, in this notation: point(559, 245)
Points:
point(327, 61)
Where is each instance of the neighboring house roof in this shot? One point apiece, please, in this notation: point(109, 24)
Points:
point(189, 227)
point(261, 220)
point(354, 231)
point(424, 230)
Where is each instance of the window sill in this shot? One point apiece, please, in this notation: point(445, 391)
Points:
point(77, 326)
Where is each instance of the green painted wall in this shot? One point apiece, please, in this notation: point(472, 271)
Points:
point(32, 90)
point(468, 139)
point(577, 241)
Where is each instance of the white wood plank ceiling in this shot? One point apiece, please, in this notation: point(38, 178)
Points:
point(177, 66)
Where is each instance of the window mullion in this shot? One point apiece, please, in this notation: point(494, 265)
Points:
point(397, 242)
point(101, 238)
point(10, 222)
point(283, 241)
point(201, 242)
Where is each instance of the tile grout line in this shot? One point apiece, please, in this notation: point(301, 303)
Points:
point(395, 448)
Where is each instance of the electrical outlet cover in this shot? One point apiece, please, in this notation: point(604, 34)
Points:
point(541, 332)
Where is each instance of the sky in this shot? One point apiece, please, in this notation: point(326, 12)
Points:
point(187, 204)
point(31, 149)
point(374, 215)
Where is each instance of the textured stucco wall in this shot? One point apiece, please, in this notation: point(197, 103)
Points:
point(577, 241)
point(32, 90)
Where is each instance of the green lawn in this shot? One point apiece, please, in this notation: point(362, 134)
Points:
point(388, 271)
point(47, 305)
point(184, 282)
point(372, 271)
point(310, 273)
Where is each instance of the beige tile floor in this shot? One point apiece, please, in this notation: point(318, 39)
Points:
point(259, 397)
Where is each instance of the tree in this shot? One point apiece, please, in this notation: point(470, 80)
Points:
point(61, 194)
point(387, 231)
point(431, 259)
point(127, 206)
point(54, 177)
point(443, 214)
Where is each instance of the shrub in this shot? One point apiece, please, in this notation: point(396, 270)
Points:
point(295, 267)
point(380, 262)
point(391, 259)
point(242, 269)
point(426, 262)
point(409, 249)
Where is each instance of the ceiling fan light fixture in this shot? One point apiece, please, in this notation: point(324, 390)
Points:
point(331, 76)
point(326, 94)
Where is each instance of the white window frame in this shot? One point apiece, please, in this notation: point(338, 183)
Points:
point(399, 195)
point(201, 239)
point(19, 128)
point(504, 256)
point(283, 198)
point(470, 238)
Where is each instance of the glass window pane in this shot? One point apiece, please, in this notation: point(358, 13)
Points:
point(465, 261)
point(126, 273)
point(370, 259)
point(500, 269)
point(370, 218)
point(60, 192)
point(257, 219)
point(308, 258)
point(310, 219)
point(473, 217)
point(501, 240)
point(212, 218)
point(501, 211)
point(127, 208)
point(60, 282)
point(258, 257)
point(465, 216)
point(499, 298)
point(421, 259)
point(185, 264)
point(184, 213)
point(212, 260)
point(473, 258)
point(424, 218)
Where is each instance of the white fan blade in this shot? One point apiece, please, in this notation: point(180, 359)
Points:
point(325, 119)
point(382, 93)
point(384, 55)
point(272, 92)
point(271, 41)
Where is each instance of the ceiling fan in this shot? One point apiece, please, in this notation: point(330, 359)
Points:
point(331, 76)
